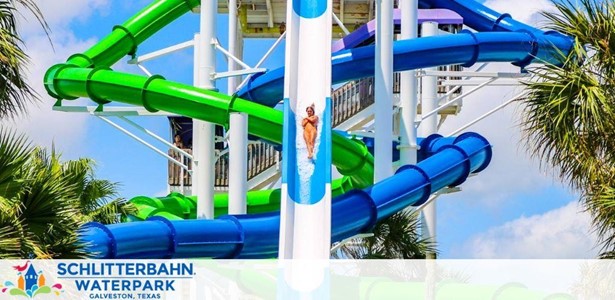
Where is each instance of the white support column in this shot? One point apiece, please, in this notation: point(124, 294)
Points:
point(203, 133)
point(238, 134)
point(429, 126)
point(232, 44)
point(383, 85)
point(408, 86)
point(238, 167)
point(305, 209)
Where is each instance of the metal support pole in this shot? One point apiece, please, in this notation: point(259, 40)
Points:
point(204, 132)
point(408, 86)
point(340, 24)
point(464, 127)
point(142, 141)
point(456, 99)
point(429, 126)
point(383, 85)
point(238, 134)
point(260, 62)
point(152, 134)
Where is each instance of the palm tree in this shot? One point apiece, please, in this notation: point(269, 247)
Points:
point(569, 113)
point(43, 201)
point(9, 241)
point(15, 92)
point(97, 198)
point(395, 237)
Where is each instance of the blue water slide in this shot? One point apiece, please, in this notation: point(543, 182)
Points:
point(256, 236)
point(503, 40)
point(479, 17)
point(449, 161)
point(367, 31)
point(467, 48)
point(468, 12)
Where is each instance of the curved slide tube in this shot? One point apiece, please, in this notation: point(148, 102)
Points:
point(176, 206)
point(528, 44)
point(465, 48)
point(256, 236)
point(480, 17)
point(84, 75)
point(368, 30)
point(351, 158)
point(125, 38)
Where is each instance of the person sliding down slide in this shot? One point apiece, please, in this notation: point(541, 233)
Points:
point(310, 124)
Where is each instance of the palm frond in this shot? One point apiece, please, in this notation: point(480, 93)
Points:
point(112, 212)
point(15, 151)
point(569, 111)
point(15, 92)
point(9, 236)
point(396, 237)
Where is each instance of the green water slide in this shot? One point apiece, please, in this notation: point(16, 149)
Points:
point(176, 206)
point(89, 75)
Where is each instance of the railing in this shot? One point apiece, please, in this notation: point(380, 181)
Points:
point(348, 100)
point(261, 156)
point(351, 98)
point(176, 173)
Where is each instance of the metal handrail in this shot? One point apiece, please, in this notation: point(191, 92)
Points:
point(261, 157)
point(177, 172)
point(347, 101)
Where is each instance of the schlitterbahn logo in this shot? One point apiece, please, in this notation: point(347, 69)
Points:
point(125, 279)
point(30, 283)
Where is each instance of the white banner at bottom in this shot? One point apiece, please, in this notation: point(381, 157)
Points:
point(307, 279)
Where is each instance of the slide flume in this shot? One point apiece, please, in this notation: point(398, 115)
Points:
point(250, 236)
point(256, 236)
point(466, 48)
point(476, 16)
point(176, 206)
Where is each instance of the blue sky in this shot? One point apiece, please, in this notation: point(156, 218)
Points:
point(511, 210)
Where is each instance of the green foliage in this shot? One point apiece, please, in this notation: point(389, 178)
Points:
point(396, 237)
point(15, 92)
point(44, 201)
point(569, 113)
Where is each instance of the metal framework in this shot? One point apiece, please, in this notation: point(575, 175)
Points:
point(266, 18)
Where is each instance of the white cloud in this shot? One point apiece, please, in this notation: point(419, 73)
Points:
point(41, 124)
point(560, 233)
point(510, 162)
point(527, 12)
point(59, 14)
point(513, 179)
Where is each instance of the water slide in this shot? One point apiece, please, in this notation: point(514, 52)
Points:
point(520, 47)
point(256, 236)
point(364, 35)
point(176, 206)
point(250, 236)
point(268, 89)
